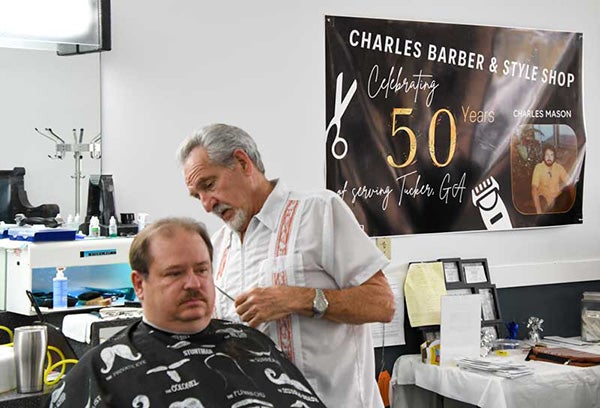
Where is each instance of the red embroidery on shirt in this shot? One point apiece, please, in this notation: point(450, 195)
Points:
point(285, 228)
point(223, 262)
point(284, 325)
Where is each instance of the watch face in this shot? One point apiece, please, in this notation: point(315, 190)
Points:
point(320, 304)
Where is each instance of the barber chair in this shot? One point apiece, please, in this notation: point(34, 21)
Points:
point(13, 199)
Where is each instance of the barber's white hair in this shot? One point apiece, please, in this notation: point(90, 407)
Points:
point(220, 141)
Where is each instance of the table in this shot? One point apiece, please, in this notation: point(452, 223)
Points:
point(551, 385)
point(11, 399)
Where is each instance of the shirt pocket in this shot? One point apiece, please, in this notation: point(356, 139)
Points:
point(295, 270)
point(287, 270)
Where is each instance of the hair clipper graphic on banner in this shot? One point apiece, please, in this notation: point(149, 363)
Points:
point(486, 196)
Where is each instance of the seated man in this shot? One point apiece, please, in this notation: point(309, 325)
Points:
point(177, 356)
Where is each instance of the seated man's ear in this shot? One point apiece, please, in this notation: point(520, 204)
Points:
point(137, 279)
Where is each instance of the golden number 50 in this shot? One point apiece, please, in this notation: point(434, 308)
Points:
point(413, 139)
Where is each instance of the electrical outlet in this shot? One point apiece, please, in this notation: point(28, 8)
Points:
point(385, 245)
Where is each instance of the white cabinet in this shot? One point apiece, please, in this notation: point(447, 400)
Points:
point(90, 264)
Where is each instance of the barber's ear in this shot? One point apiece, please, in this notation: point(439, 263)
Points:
point(243, 159)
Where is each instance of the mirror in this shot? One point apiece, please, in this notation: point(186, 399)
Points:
point(39, 89)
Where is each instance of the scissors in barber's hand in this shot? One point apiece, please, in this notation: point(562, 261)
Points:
point(224, 293)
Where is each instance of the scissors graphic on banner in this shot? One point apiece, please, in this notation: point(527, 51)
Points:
point(340, 107)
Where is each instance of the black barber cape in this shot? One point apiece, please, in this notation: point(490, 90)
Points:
point(225, 365)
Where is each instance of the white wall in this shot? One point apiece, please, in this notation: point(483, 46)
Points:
point(43, 90)
point(176, 66)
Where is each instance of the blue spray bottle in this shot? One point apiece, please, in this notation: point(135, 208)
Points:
point(59, 289)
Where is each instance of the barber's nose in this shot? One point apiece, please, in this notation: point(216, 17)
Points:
point(208, 202)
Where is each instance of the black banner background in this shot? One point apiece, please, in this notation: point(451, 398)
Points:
point(502, 120)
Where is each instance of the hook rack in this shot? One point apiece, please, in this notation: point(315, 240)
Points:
point(78, 148)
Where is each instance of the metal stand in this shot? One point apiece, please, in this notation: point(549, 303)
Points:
point(77, 147)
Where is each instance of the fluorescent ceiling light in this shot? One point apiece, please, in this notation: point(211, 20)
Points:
point(42, 24)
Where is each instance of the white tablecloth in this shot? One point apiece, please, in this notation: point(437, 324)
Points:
point(551, 385)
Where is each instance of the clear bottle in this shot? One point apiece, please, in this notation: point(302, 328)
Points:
point(70, 222)
point(59, 289)
point(141, 221)
point(94, 227)
point(112, 227)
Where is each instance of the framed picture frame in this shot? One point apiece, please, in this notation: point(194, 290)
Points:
point(490, 307)
point(475, 271)
point(459, 291)
point(452, 270)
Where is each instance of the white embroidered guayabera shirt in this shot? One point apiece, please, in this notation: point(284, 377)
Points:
point(311, 240)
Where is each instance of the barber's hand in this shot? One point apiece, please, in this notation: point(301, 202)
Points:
point(261, 305)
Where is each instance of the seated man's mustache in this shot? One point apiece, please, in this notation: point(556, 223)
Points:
point(191, 295)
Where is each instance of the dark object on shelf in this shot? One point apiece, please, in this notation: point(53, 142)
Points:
point(49, 222)
point(565, 356)
point(126, 293)
point(92, 294)
point(101, 199)
point(513, 330)
point(27, 233)
point(44, 299)
point(13, 198)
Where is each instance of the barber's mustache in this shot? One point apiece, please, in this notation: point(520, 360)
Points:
point(219, 209)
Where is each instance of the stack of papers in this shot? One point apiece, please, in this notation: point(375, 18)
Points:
point(565, 341)
point(501, 368)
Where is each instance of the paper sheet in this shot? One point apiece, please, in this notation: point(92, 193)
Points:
point(394, 330)
point(423, 289)
point(460, 332)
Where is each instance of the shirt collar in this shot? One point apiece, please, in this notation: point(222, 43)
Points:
point(271, 210)
point(171, 332)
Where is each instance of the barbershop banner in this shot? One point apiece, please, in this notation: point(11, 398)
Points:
point(444, 127)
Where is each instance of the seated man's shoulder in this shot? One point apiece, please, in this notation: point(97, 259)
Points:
point(117, 345)
point(229, 326)
point(239, 330)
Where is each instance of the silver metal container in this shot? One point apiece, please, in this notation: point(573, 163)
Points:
point(590, 316)
point(30, 344)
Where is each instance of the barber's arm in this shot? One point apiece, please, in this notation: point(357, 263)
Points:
point(373, 301)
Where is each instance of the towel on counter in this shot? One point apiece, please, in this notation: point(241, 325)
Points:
point(79, 326)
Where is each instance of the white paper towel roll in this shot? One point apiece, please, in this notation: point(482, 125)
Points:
point(8, 377)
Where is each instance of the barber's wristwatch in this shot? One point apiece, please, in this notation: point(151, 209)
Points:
point(320, 304)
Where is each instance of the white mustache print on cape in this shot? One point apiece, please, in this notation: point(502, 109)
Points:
point(109, 354)
point(174, 375)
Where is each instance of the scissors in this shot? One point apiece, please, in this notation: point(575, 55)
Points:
point(340, 107)
point(225, 293)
